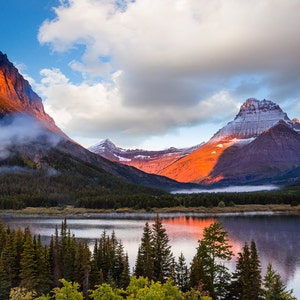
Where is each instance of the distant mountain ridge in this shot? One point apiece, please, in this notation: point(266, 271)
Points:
point(254, 119)
point(150, 161)
point(224, 159)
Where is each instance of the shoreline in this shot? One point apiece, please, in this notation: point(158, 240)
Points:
point(73, 212)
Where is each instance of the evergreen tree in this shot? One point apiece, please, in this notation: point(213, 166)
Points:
point(55, 258)
point(181, 273)
point(196, 273)
point(9, 259)
point(28, 272)
point(144, 262)
point(161, 251)
point(212, 250)
point(5, 283)
point(68, 251)
point(43, 281)
point(82, 266)
point(18, 248)
point(255, 267)
point(246, 280)
point(274, 288)
point(95, 272)
point(125, 276)
point(119, 262)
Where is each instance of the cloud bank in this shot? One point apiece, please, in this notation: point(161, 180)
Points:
point(19, 129)
point(150, 67)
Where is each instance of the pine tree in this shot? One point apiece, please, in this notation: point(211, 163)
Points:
point(55, 259)
point(144, 262)
point(82, 266)
point(95, 272)
point(28, 272)
point(255, 277)
point(246, 280)
point(18, 248)
point(196, 273)
point(5, 283)
point(181, 273)
point(125, 276)
point(9, 257)
point(118, 265)
point(68, 251)
point(240, 278)
point(212, 250)
point(161, 251)
point(274, 288)
point(43, 281)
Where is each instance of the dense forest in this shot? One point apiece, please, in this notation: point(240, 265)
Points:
point(70, 181)
point(20, 190)
point(67, 268)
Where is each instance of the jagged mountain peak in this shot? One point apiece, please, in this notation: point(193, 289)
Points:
point(254, 117)
point(252, 105)
point(17, 96)
point(108, 143)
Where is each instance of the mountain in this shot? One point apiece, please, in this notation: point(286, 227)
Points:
point(16, 96)
point(38, 161)
point(253, 119)
point(269, 157)
point(145, 160)
point(206, 164)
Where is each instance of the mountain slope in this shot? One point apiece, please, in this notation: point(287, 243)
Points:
point(145, 160)
point(252, 120)
point(37, 158)
point(271, 155)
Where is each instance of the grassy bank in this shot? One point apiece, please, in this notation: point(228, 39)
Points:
point(73, 211)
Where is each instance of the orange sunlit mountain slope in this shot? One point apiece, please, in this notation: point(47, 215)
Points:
point(198, 165)
point(16, 96)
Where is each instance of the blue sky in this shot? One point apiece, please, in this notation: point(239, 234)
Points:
point(151, 73)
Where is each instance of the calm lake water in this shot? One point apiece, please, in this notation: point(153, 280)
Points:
point(276, 236)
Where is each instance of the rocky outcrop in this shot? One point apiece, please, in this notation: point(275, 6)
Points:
point(17, 96)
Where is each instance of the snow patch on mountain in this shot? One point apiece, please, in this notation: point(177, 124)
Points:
point(254, 118)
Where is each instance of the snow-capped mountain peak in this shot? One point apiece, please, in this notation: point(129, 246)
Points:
point(255, 116)
point(103, 146)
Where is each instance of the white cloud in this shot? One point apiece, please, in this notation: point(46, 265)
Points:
point(170, 63)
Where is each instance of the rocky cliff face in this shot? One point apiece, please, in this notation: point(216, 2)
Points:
point(17, 96)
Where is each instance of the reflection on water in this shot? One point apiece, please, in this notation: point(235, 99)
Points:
point(276, 236)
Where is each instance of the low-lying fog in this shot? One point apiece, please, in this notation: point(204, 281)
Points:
point(230, 189)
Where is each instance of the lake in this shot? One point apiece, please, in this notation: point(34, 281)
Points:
point(276, 235)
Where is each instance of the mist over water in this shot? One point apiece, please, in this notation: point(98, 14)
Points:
point(229, 189)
